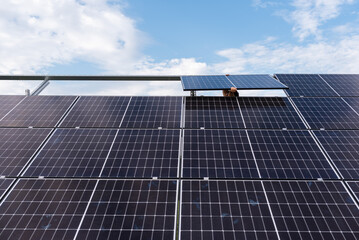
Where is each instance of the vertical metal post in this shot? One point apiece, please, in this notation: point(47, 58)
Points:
point(27, 92)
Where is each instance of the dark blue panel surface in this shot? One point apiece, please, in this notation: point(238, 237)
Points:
point(289, 155)
point(269, 112)
point(218, 154)
point(262, 81)
point(344, 84)
point(7, 103)
point(327, 113)
point(212, 112)
point(144, 154)
point(353, 102)
point(343, 148)
point(4, 185)
point(354, 187)
point(214, 82)
point(309, 85)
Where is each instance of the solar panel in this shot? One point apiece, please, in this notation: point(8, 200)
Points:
point(96, 111)
point(306, 85)
point(289, 155)
point(44, 209)
point(214, 82)
point(73, 153)
point(269, 112)
point(313, 210)
point(344, 84)
point(354, 187)
point(343, 148)
point(38, 111)
point(17, 146)
point(353, 102)
point(212, 112)
point(153, 112)
point(327, 113)
point(144, 154)
point(217, 154)
point(262, 81)
point(4, 185)
point(7, 103)
point(225, 210)
point(131, 209)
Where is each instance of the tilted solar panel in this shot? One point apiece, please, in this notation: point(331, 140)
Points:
point(269, 112)
point(7, 103)
point(354, 187)
point(344, 84)
point(213, 82)
point(343, 148)
point(327, 113)
point(217, 154)
point(97, 111)
point(262, 81)
point(212, 112)
point(17, 146)
point(73, 153)
point(4, 185)
point(289, 155)
point(225, 210)
point(353, 102)
point(308, 85)
point(144, 153)
point(153, 112)
point(38, 111)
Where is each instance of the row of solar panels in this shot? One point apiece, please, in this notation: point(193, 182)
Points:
point(141, 153)
point(148, 209)
point(176, 112)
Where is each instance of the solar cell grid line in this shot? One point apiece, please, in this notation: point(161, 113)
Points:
point(225, 209)
point(213, 82)
point(153, 112)
point(212, 112)
point(291, 154)
point(353, 102)
point(217, 154)
point(97, 111)
point(269, 112)
point(255, 81)
point(144, 153)
point(327, 113)
point(354, 187)
point(313, 209)
point(8, 102)
point(308, 85)
point(44, 208)
point(5, 183)
point(345, 84)
point(17, 147)
point(131, 209)
point(73, 153)
point(342, 146)
point(38, 111)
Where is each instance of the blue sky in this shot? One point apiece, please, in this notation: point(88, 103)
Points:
point(155, 37)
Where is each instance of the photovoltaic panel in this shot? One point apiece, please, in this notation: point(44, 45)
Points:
point(7, 103)
point(38, 111)
point(131, 209)
point(153, 112)
point(144, 154)
point(262, 81)
point(73, 153)
point(269, 112)
point(225, 210)
point(353, 102)
point(343, 148)
point(97, 111)
point(354, 187)
point(308, 85)
point(217, 154)
point(44, 209)
point(17, 146)
point(212, 112)
point(313, 210)
point(344, 84)
point(289, 155)
point(214, 82)
point(4, 185)
point(327, 113)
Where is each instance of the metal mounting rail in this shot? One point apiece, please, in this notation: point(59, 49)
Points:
point(89, 78)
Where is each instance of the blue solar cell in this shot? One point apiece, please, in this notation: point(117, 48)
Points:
point(205, 82)
point(255, 82)
point(343, 84)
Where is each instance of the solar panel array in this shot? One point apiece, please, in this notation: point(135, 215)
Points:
point(183, 167)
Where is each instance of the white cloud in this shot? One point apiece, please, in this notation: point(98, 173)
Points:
point(263, 4)
point(309, 15)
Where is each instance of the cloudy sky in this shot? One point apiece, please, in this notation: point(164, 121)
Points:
point(142, 37)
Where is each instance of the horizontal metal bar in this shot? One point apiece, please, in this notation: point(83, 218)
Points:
point(90, 78)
